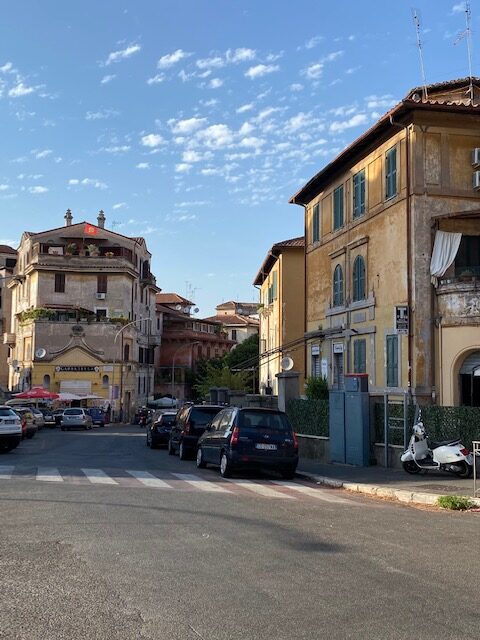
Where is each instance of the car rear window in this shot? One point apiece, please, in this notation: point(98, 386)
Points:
point(262, 420)
point(73, 412)
point(7, 413)
point(167, 420)
point(204, 415)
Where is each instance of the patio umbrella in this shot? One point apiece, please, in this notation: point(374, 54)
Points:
point(68, 397)
point(36, 393)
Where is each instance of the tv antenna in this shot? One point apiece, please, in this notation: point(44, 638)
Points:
point(467, 35)
point(115, 223)
point(416, 20)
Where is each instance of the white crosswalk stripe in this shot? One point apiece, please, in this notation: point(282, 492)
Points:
point(320, 494)
point(149, 480)
point(6, 472)
point(198, 483)
point(49, 474)
point(97, 476)
point(261, 489)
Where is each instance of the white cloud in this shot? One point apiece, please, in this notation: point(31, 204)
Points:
point(192, 156)
point(380, 102)
point(152, 140)
point(42, 154)
point(117, 149)
point(240, 55)
point(261, 70)
point(38, 189)
point(252, 141)
point(314, 71)
point(108, 78)
point(184, 127)
point(122, 54)
point(21, 90)
point(246, 129)
point(170, 59)
point(143, 165)
point(215, 83)
point(354, 121)
point(4, 187)
point(215, 136)
point(313, 42)
point(458, 8)
point(210, 63)
point(119, 205)
point(300, 121)
point(245, 107)
point(156, 79)
point(7, 68)
point(183, 167)
point(87, 182)
point(296, 86)
point(101, 115)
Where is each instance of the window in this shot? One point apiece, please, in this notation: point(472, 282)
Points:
point(360, 356)
point(392, 361)
point(59, 283)
point(46, 382)
point(467, 261)
point(391, 173)
point(105, 382)
point(316, 370)
point(126, 352)
point(101, 315)
point(338, 286)
point(358, 194)
point(316, 223)
point(101, 283)
point(272, 289)
point(338, 208)
point(358, 279)
point(234, 334)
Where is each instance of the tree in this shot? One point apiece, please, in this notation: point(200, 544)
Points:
point(246, 356)
point(215, 377)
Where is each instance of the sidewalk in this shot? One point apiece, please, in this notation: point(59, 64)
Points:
point(423, 488)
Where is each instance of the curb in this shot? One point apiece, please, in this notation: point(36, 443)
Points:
point(401, 495)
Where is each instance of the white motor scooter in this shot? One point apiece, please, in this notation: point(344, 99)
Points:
point(449, 455)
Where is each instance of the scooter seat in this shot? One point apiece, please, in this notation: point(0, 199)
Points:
point(444, 443)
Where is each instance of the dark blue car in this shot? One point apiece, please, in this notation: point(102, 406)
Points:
point(98, 415)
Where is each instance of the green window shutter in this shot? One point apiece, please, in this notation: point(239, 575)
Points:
point(338, 286)
point(338, 208)
point(391, 173)
point(359, 279)
point(359, 194)
point(316, 223)
point(274, 285)
point(392, 361)
point(360, 356)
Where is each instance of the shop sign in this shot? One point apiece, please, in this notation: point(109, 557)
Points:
point(76, 369)
point(401, 319)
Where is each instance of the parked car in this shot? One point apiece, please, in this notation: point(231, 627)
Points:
point(10, 429)
point(189, 425)
point(76, 417)
point(48, 417)
point(97, 415)
point(38, 417)
point(158, 431)
point(249, 437)
point(57, 416)
point(29, 428)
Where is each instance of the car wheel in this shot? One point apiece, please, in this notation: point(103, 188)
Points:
point(170, 449)
point(148, 441)
point(201, 464)
point(182, 451)
point(288, 474)
point(225, 466)
point(62, 428)
point(153, 444)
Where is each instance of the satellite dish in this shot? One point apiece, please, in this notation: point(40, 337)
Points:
point(178, 307)
point(196, 310)
point(40, 353)
point(286, 363)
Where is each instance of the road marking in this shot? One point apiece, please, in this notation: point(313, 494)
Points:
point(97, 476)
point(149, 480)
point(49, 474)
point(6, 472)
point(261, 489)
point(198, 483)
point(320, 494)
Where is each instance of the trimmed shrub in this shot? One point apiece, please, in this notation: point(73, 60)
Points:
point(309, 417)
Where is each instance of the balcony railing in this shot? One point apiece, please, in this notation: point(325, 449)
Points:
point(80, 249)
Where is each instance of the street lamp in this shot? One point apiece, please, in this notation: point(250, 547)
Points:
point(120, 332)
point(182, 346)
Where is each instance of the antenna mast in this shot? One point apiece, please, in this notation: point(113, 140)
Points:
point(416, 20)
point(467, 34)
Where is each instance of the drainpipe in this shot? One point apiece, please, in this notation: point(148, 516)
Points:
point(409, 251)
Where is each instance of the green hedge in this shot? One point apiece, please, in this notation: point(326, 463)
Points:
point(441, 423)
point(309, 417)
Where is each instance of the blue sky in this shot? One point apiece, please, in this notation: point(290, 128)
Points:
point(192, 122)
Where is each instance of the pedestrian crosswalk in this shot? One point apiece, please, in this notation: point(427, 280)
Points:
point(209, 482)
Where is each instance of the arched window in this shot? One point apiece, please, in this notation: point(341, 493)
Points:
point(358, 279)
point(338, 286)
point(46, 382)
point(126, 352)
point(105, 381)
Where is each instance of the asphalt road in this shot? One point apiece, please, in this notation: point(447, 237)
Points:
point(99, 539)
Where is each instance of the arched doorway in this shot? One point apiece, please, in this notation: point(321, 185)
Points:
point(470, 380)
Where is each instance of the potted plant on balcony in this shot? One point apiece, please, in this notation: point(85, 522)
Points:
point(109, 254)
point(93, 250)
point(71, 248)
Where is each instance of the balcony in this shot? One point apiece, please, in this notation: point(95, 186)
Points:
point(458, 297)
point(77, 254)
point(10, 339)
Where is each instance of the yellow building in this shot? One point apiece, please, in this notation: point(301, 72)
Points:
point(83, 314)
point(374, 302)
point(282, 320)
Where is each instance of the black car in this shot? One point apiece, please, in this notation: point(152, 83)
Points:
point(250, 437)
point(158, 431)
point(189, 426)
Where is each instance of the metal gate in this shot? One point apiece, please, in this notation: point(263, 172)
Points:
point(395, 423)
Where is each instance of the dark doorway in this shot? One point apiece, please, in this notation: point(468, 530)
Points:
point(470, 385)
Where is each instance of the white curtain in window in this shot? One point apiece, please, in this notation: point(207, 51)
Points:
point(444, 251)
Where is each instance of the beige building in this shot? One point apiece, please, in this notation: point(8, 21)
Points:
point(84, 318)
point(238, 320)
point(8, 260)
point(281, 280)
point(373, 218)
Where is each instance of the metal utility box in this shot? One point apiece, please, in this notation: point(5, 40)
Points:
point(337, 426)
point(356, 382)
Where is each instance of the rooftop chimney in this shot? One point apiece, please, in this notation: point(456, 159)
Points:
point(101, 219)
point(68, 218)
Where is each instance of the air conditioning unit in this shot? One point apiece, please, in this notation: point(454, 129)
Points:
point(476, 180)
point(100, 296)
point(476, 157)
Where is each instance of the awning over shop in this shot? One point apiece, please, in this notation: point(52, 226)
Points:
point(78, 387)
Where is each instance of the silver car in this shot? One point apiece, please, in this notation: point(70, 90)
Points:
point(75, 418)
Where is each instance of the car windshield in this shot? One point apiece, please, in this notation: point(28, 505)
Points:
point(7, 412)
point(204, 415)
point(73, 412)
point(264, 420)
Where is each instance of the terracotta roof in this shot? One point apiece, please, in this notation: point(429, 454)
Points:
point(381, 129)
point(233, 319)
point(5, 248)
point(275, 251)
point(172, 298)
point(137, 240)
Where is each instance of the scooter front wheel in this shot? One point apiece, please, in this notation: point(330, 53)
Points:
point(411, 467)
point(466, 470)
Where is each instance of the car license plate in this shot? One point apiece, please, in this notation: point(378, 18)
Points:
point(265, 447)
point(9, 422)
